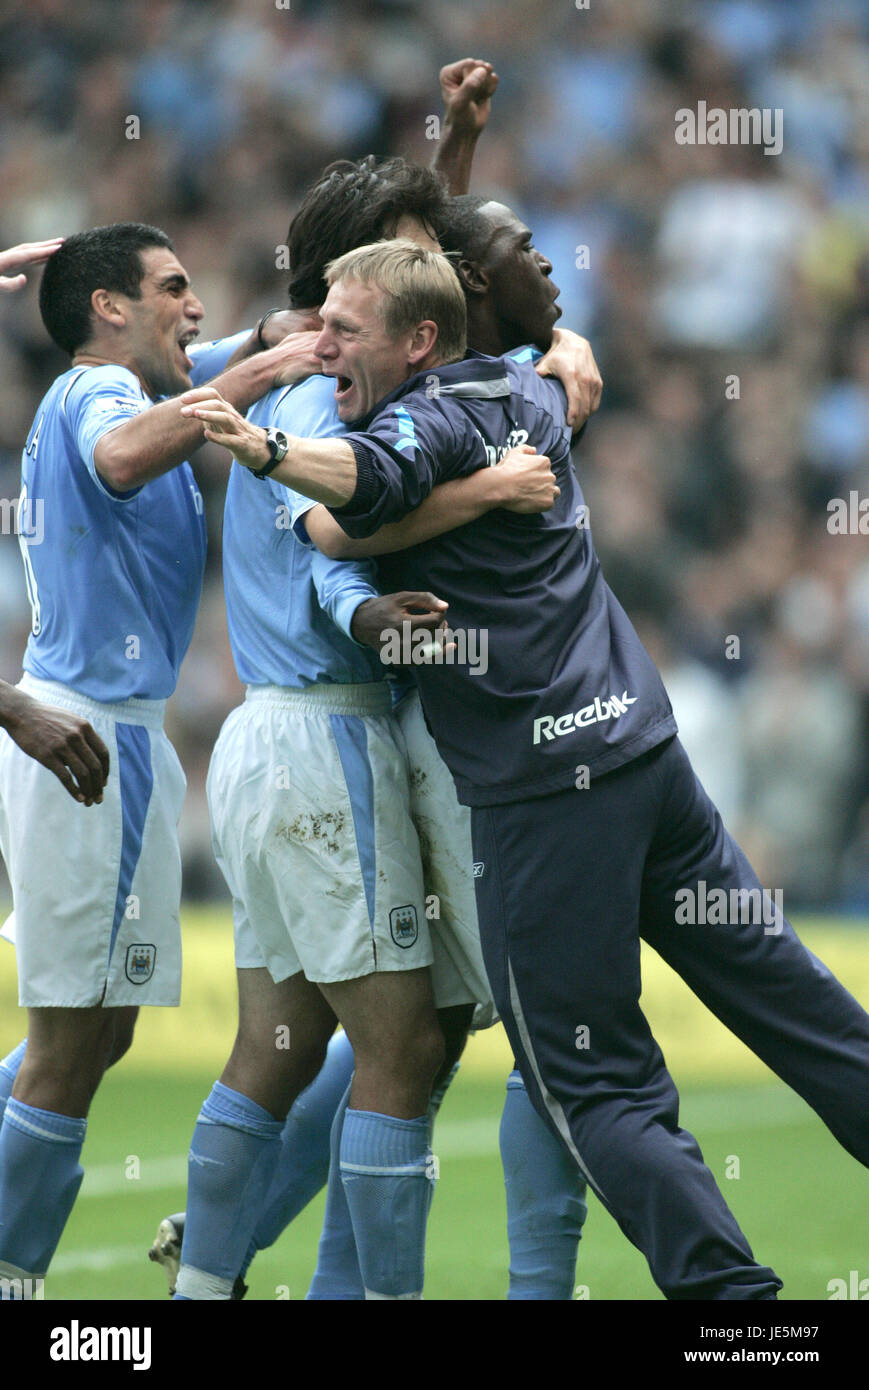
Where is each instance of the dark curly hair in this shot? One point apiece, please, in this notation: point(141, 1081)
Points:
point(353, 204)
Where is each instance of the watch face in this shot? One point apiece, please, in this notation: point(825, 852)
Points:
point(278, 443)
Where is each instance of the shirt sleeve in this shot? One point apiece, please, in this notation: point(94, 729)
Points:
point(210, 359)
point(308, 409)
point(341, 586)
point(299, 507)
point(406, 451)
point(102, 399)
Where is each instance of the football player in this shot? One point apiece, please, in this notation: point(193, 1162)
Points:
point(574, 868)
point(114, 584)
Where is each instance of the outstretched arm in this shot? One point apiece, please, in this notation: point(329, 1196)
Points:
point(523, 481)
point(467, 88)
point(326, 470)
point(158, 439)
point(272, 328)
point(19, 258)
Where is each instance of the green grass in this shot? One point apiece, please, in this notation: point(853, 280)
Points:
point(800, 1199)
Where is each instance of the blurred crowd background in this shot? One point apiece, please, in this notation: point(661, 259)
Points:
point(725, 291)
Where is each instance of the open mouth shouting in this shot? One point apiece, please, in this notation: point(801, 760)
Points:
point(343, 387)
point(184, 342)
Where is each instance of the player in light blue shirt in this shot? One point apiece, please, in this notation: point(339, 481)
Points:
point(278, 592)
point(113, 540)
point(525, 1139)
point(113, 578)
point(272, 580)
point(50, 735)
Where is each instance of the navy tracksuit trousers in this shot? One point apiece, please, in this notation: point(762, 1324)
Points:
point(571, 882)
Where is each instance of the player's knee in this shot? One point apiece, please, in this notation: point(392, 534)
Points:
point(60, 1079)
point(121, 1038)
point(280, 1053)
point(413, 1057)
point(432, 1051)
point(307, 1062)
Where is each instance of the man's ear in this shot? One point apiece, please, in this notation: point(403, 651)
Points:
point(425, 336)
point(107, 309)
point(474, 279)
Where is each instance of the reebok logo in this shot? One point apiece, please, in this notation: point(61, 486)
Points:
point(550, 727)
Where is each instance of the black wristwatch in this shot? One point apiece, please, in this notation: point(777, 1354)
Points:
point(278, 446)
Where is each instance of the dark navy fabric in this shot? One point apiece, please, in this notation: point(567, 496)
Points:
point(568, 681)
point(566, 887)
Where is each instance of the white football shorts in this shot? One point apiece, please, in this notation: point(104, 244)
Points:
point(443, 826)
point(309, 802)
point(96, 889)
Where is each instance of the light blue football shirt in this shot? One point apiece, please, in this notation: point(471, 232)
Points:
point(209, 359)
point(114, 580)
point(289, 607)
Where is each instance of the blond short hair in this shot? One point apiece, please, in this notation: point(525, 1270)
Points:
point(416, 284)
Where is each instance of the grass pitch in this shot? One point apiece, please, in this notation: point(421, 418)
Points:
point(798, 1196)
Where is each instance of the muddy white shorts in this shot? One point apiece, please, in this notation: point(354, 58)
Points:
point(309, 801)
point(444, 830)
point(96, 889)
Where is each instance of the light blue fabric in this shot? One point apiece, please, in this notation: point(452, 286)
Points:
point(210, 359)
point(303, 1165)
point(233, 1154)
point(281, 592)
point(388, 1177)
point(337, 1275)
point(40, 1176)
point(137, 782)
point(114, 580)
point(546, 1204)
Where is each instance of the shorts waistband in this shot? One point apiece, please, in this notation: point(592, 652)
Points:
point(370, 697)
point(149, 713)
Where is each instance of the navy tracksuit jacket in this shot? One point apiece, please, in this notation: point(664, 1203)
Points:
point(588, 821)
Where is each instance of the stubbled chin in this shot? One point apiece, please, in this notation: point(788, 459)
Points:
point(350, 409)
point(179, 382)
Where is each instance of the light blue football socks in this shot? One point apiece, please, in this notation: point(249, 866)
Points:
point(337, 1276)
point(303, 1165)
point(232, 1159)
point(388, 1175)
point(546, 1204)
point(40, 1176)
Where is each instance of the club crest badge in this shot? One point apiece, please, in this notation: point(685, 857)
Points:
point(140, 962)
point(403, 925)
